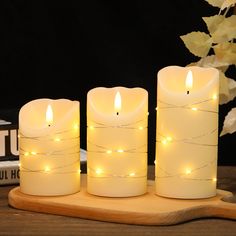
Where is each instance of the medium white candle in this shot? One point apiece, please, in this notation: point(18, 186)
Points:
point(117, 141)
point(49, 145)
point(187, 132)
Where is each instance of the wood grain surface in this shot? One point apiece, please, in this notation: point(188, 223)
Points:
point(17, 222)
point(148, 209)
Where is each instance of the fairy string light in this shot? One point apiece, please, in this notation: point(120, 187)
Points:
point(163, 139)
point(99, 173)
point(72, 152)
point(94, 126)
point(185, 175)
point(134, 125)
point(100, 149)
point(55, 169)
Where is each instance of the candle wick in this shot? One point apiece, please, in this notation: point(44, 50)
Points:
point(49, 125)
point(117, 113)
point(187, 92)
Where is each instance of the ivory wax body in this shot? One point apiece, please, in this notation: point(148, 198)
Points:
point(49, 146)
point(117, 141)
point(187, 132)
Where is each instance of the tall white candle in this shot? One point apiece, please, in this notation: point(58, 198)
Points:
point(49, 146)
point(117, 141)
point(187, 132)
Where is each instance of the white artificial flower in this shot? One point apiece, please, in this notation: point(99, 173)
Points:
point(229, 123)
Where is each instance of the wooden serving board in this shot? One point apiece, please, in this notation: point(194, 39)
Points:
point(148, 209)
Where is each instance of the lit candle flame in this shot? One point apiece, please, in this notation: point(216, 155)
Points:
point(189, 81)
point(49, 115)
point(117, 103)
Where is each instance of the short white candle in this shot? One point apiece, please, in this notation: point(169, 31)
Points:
point(187, 132)
point(49, 146)
point(117, 141)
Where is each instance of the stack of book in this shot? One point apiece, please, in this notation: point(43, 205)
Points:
point(9, 154)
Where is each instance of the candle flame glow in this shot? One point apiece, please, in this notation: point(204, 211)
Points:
point(117, 102)
point(189, 81)
point(49, 115)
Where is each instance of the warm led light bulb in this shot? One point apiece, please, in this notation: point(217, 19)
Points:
point(91, 127)
point(120, 150)
point(194, 108)
point(76, 126)
point(57, 139)
point(164, 141)
point(214, 97)
point(169, 139)
point(214, 179)
point(33, 153)
point(98, 171)
point(26, 154)
point(140, 128)
point(132, 174)
point(188, 171)
point(47, 169)
point(109, 151)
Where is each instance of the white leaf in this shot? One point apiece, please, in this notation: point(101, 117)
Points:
point(213, 22)
point(229, 125)
point(212, 61)
point(227, 3)
point(226, 52)
point(232, 89)
point(227, 89)
point(198, 43)
point(215, 3)
point(225, 31)
point(224, 89)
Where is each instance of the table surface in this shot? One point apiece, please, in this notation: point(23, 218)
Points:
point(19, 222)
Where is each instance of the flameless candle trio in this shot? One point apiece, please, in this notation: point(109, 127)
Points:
point(117, 124)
